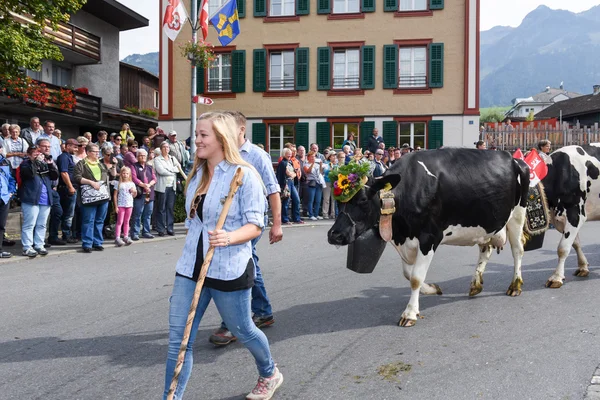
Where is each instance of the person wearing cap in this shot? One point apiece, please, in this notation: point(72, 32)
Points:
point(177, 149)
point(66, 189)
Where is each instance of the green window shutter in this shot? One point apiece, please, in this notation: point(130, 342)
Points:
point(323, 134)
point(367, 6)
point(323, 6)
point(302, 68)
point(435, 134)
point(367, 78)
point(436, 4)
point(241, 6)
point(260, 70)
point(199, 79)
point(238, 71)
point(260, 8)
point(301, 129)
point(302, 7)
point(366, 130)
point(390, 133)
point(436, 65)
point(323, 68)
point(390, 66)
point(259, 133)
point(390, 5)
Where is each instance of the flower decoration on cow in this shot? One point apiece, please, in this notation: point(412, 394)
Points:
point(348, 180)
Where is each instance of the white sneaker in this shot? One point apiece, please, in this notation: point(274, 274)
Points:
point(127, 241)
point(119, 242)
point(266, 387)
point(319, 217)
point(313, 218)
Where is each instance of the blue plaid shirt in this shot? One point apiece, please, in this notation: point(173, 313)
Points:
point(248, 206)
point(260, 160)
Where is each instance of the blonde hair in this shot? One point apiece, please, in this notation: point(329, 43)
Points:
point(226, 130)
point(124, 169)
point(14, 127)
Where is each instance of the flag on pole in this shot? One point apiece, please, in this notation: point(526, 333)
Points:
point(518, 154)
point(174, 18)
point(226, 22)
point(203, 19)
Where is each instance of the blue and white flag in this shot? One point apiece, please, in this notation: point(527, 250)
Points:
point(226, 22)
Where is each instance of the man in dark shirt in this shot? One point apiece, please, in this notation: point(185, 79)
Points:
point(374, 141)
point(66, 189)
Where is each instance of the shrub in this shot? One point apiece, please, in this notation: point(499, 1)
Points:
point(132, 109)
point(179, 213)
point(149, 113)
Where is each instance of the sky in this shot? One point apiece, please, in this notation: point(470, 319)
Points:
point(493, 13)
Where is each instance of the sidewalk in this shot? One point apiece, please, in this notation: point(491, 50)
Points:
point(180, 232)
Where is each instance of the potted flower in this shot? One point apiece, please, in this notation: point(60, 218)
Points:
point(64, 99)
point(198, 53)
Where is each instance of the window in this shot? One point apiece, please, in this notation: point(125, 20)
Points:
point(219, 73)
point(413, 67)
point(412, 133)
point(341, 131)
point(279, 135)
point(213, 7)
point(346, 6)
point(36, 75)
point(281, 70)
point(281, 8)
point(346, 66)
point(413, 5)
point(156, 99)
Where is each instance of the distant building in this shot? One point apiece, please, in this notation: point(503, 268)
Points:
point(584, 110)
point(138, 88)
point(522, 107)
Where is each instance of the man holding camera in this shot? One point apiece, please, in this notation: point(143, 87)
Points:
point(56, 211)
point(37, 173)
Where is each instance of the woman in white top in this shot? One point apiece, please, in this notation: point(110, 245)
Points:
point(15, 148)
point(167, 167)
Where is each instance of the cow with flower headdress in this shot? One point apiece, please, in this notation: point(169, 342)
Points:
point(460, 197)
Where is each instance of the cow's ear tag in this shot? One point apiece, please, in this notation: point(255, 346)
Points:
point(387, 187)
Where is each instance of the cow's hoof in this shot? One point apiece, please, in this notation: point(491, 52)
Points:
point(475, 290)
point(582, 273)
point(513, 292)
point(553, 284)
point(430, 288)
point(405, 322)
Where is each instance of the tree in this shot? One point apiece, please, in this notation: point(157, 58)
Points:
point(25, 45)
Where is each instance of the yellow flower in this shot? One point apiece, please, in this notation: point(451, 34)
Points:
point(343, 181)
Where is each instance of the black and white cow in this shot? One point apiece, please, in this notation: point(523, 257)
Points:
point(572, 188)
point(460, 197)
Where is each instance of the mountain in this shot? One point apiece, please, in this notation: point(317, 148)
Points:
point(549, 47)
point(147, 61)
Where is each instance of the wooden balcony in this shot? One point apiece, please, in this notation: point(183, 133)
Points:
point(87, 106)
point(71, 38)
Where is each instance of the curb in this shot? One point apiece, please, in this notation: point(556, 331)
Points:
point(593, 391)
point(180, 234)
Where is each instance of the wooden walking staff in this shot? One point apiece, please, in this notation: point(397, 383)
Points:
point(236, 182)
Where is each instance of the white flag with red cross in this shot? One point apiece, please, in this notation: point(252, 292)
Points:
point(174, 18)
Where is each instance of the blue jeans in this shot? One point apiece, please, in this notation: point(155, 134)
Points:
point(67, 201)
point(33, 230)
point(92, 223)
point(165, 208)
point(314, 200)
point(142, 210)
point(234, 308)
point(56, 213)
point(295, 201)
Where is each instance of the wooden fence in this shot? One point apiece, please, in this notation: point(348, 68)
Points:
point(526, 137)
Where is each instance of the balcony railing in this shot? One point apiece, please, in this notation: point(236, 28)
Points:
point(346, 82)
point(69, 37)
point(410, 81)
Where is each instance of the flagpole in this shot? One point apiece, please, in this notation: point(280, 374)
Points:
point(194, 24)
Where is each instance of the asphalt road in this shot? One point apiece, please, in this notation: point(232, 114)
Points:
point(94, 326)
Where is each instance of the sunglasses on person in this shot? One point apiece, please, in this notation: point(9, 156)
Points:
point(195, 204)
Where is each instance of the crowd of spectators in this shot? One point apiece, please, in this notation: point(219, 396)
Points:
point(71, 191)
point(304, 177)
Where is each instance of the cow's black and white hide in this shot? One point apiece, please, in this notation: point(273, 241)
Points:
point(460, 197)
point(572, 188)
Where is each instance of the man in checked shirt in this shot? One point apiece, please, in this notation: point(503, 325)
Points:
point(262, 313)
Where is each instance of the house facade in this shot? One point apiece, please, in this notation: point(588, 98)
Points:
point(581, 110)
point(308, 72)
point(138, 89)
point(523, 107)
point(89, 43)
